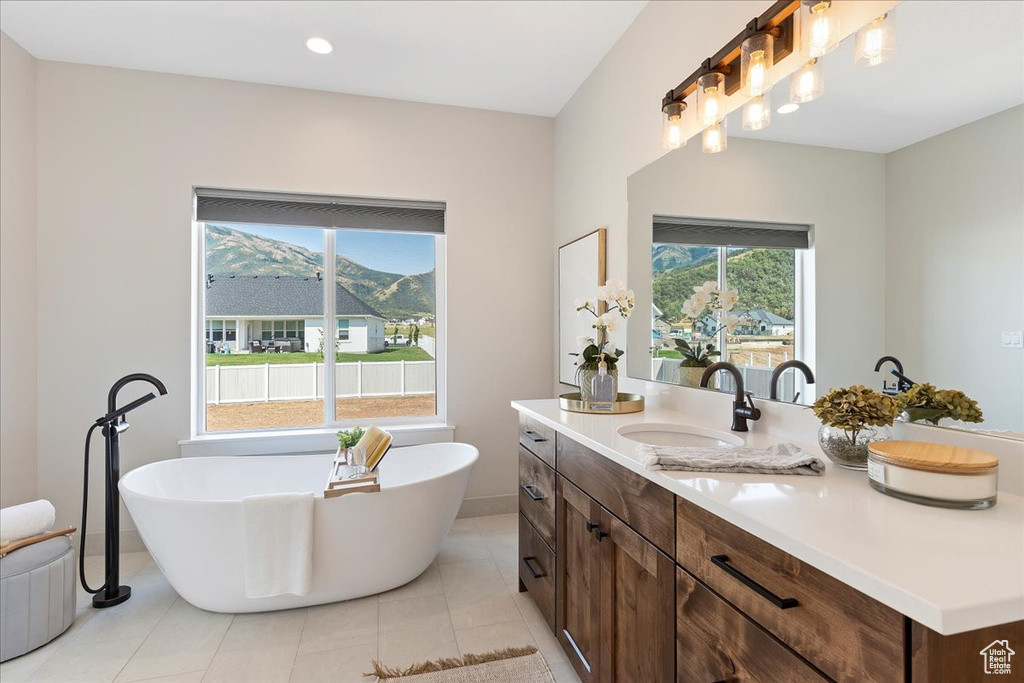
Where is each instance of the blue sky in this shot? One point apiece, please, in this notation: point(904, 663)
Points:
point(391, 252)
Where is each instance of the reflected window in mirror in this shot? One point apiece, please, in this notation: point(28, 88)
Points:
point(728, 291)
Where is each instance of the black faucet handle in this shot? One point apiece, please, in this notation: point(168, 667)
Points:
point(750, 411)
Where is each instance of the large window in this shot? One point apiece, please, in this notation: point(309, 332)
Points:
point(269, 289)
point(762, 265)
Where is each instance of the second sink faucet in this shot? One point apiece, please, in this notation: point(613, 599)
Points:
point(743, 408)
point(808, 375)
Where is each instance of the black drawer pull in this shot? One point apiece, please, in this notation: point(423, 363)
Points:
point(596, 528)
point(533, 436)
point(530, 491)
point(782, 603)
point(536, 574)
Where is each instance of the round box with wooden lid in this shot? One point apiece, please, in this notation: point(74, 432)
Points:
point(934, 474)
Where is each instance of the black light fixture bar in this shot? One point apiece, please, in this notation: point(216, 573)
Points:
point(779, 20)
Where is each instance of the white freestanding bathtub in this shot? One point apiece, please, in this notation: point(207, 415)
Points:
point(189, 514)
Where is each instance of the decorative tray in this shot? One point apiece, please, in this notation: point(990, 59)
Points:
point(625, 403)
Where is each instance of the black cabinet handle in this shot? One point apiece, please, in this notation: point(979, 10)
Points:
point(596, 528)
point(529, 489)
point(782, 603)
point(536, 574)
point(533, 436)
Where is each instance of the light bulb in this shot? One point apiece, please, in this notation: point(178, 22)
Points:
point(321, 46)
point(876, 42)
point(672, 126)
point(806, 84)
point(710, 98)
point(714, 138)
point(756, 58)
point(757, 113)
point(820, 28)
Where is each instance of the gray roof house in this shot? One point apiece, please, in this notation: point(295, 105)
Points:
point(759, 320)
point(250, 313)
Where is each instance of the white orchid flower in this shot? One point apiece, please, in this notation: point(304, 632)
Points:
point(728, 299)
point(583, 341)
point(701, 300)
point(583, 304)
point(615, 285)
point(608, 322)
point(731, 322)
point(609, 350)
point(690, 309)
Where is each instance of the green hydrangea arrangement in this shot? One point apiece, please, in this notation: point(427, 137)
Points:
point(347, 438)
point(925, 402)
point(854, 408)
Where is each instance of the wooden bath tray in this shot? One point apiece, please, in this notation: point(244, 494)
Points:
point(340, 481)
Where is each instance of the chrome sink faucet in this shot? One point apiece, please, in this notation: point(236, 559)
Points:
point(743, 407)
point(808, 375)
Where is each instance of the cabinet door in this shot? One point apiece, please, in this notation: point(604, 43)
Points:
point(717, 643)
point(637, 606)
point(578, 558)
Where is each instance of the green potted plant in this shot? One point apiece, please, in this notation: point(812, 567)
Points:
point(612, 304)
point(925, 403)
point(708, 311)
point(347, 438)
point(851, 418)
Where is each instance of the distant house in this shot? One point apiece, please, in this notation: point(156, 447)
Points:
point(762, 322)
point(659, 328)
point(240, 309)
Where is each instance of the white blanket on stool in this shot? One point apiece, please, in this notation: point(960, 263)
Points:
point(26, 520)
point(278, 544)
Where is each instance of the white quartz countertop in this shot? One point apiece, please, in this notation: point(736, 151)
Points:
point(950, 570)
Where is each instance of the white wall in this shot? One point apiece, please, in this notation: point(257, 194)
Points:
point(119, 152)
point(18, 392)
point(955, 205)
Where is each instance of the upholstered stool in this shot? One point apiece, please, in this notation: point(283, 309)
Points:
point(38, 593)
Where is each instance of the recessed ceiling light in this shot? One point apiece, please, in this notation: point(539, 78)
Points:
point(319, 45)
point(788, 108)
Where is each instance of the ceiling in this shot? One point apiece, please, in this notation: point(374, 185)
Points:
point(956, 62)
point(522, 56)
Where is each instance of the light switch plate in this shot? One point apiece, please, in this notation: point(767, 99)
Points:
point(1013, 339)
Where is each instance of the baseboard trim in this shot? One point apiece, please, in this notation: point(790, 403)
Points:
point(489, 505)
point(95, 542)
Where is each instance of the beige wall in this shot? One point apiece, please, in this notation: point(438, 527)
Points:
point(119, 152)
point(17, 274)
point(955, 242)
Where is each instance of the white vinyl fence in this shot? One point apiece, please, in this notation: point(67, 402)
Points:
point(755, 378)
point(305, 381)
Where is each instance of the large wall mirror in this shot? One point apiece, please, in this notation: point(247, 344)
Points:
point(885, 218)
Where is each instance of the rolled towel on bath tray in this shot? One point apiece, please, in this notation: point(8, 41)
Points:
point(783, 458)
point(26, 520)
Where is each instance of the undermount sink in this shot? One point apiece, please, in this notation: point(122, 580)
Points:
point(667, 434)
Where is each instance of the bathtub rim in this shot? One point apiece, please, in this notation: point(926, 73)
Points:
point(317, 494)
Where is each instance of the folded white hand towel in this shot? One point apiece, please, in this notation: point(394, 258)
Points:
point(26, 520)
point(783, 458)
point(278, 544)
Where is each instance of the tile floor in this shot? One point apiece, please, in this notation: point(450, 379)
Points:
point(467, 601)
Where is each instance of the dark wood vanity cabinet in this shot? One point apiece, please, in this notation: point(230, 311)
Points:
point(640, 586)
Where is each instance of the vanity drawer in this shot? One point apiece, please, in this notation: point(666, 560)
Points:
point(714, 642)
point(537, 570)
point(843, 632)
point(646, 507)
point(537, 495)
point(537, 438)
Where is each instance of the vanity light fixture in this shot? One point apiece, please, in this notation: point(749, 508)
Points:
point(710, 98)
point(672, 126)
point(788, 108)
point(756, 58)
point(757, 113)
point(807, 84)
point(714, 139)
point(321, 46)
point(819, 31)
point(876, 42)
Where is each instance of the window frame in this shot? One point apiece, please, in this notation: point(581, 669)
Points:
point(430, 424)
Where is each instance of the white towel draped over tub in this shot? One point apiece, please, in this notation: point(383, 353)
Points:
point(26, 520)
point(278, 544)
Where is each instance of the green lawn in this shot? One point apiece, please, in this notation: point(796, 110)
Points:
point(401, 353)
point(425, 330)
point(669, 353)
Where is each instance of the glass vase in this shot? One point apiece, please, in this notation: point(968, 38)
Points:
point(586, 378)
point(849, 448)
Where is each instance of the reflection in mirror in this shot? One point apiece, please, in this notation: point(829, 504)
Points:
point(726, 291)
point(915, 208)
